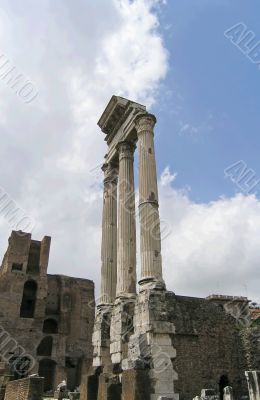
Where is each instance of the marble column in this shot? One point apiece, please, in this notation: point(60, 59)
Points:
point(150, 241)
point(109, 235)
point(126, 235)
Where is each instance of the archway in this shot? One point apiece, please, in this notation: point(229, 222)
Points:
point(45, 347)
point(33, 265)
point(28, 300)
point(114, 392)
point(92, 385)
point(73, 372)
point(47, 369)
point(50, 326)
point(223, 382)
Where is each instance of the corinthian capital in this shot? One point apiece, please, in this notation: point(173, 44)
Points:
point(126, 149)
point(110, 172)
point(144, 123)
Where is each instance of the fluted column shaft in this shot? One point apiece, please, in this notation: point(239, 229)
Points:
point(126, 238)
point(150, 241)
point(109, 235)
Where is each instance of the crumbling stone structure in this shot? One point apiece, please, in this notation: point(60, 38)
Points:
point(46, 322)
point(30, 388)
point(150, 344)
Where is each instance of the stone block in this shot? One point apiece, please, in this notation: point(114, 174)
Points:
point(228, 393)
point(164, 396)
point(116, 358)
point(135, 385)
point(162, 327)
point(74, 395)
point(253, 381)
point(115, 347)
point(160, 339)
point(160, 350)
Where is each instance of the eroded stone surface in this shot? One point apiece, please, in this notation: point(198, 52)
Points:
point(47, 318)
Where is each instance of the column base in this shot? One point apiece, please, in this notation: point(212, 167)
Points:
point(101, 336)
point(125, 296)
point(121, 327)
point(151, 283)
point(105, 306)
point(150, 348)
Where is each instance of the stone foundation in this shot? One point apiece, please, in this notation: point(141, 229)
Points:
point(101, 336)
point(150, 347)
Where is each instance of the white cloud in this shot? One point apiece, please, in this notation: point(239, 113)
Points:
point(78, 59)
point(166, 177)
point(78, 54)
point(214, 247)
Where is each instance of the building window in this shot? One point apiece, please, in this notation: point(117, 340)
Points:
point(47, 370)
point(50, 326)
point(17, 267)
point(29, 299)
point(45, 347)
point(33, 266)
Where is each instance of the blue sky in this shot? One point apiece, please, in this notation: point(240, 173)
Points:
point(213, 87)
point(171, 56)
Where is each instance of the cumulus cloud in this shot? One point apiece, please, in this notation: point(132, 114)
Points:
point(77, 54)
point(212, 248)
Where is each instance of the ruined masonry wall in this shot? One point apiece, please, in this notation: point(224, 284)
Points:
point(25, 389)
point(208, 346)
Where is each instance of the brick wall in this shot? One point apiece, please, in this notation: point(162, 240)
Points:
point(69, 301)
point(251, 340)
point(25, 389)
point(208, 346)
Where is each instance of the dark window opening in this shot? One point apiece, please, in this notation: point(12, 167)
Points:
point(29, 300)
point(114, 392)
point(19, 367)
point(73, 371)
point(92, 388)
point(223, 382)
point(17, 267)
point(45, 347)
point(47, 369)
point(50, 326)
point(33, 266)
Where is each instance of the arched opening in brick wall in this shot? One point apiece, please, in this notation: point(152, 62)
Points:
point(29, 299)
point(33, 266)
point(47, 369)
point(114, 392)
point(223, 382)
point(50, 325)
point(92, 385)
point(73, 371)
point(45, 347)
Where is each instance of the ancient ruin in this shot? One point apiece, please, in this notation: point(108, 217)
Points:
point(150, 343)
point(45, 320)
point(144, 342)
